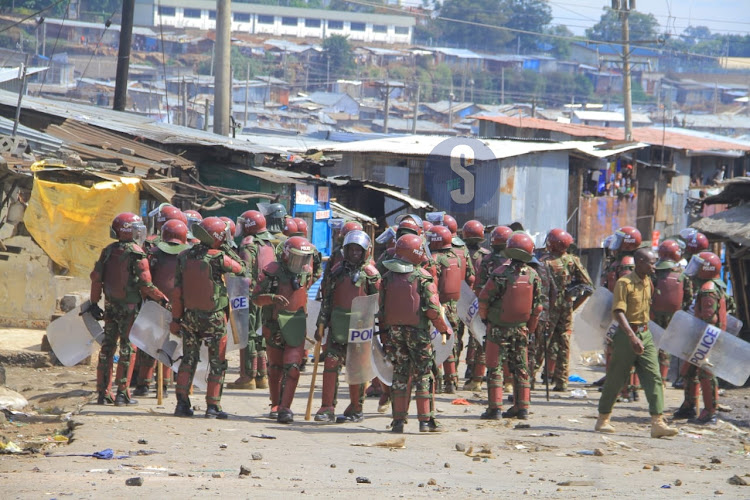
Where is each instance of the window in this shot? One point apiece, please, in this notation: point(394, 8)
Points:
point(265, 19)
point(379, 28)
point(166, 11)
point(289, 21)
point(357, 26)
point(312, 23)
point(212, 14)
point(191, 13)
point(335, 25)
point(242, 18)
point(402, 30)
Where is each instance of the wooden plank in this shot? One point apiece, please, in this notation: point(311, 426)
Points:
point(601, 216)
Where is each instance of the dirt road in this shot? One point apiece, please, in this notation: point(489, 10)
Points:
point(559, 456)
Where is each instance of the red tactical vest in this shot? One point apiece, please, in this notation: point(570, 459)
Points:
point(116, 273)
point(345, 291)
point(163, 268)
point(449, 283)
point(402, 301)
point(668, 292)
point(297, 298)
point(515, 304)
point(198, 287)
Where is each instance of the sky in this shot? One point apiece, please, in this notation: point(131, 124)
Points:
point(725, 16)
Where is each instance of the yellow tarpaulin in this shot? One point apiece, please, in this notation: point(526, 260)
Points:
point(71, 222)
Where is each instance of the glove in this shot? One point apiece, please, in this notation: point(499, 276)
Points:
point(319, 332)
point(174, 328)
point(95, 311)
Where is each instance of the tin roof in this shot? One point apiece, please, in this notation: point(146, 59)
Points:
point(733, 224)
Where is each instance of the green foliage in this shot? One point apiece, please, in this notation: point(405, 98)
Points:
point(560, 47)
point(609, 27)
point(338, 51)
point(527, 15)
point(474, 11)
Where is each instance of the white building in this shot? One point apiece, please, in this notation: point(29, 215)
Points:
point(274, 20)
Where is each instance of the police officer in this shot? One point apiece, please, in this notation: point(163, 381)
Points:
point(199, 313)
point(632, 344)
point(256, 251)
point(567, 272)
point(282, 292)
point(510, 302)
point(672, 291)
point(162, 259)
point(123, 274)
point(712, 304)
point(353, 277)
point(473, 235)
point(408, 304)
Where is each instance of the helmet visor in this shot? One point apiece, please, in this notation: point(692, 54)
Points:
point(139, 233)
point(386, 236)
point(192, 221)
point(436, 217)
point(695, 265)
point(616, 242)
point(414, 217)
point(296, 262)
point(687, 233)
point(336, 224)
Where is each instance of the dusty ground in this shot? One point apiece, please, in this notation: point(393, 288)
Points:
point(202, 458)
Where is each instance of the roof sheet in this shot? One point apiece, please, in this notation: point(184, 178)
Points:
point(347, 213)
point(649, 135)
point(392, 193)
point(733, 224)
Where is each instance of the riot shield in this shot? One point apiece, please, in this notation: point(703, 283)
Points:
point(442, 351)
point(313, 310)
point(468, 312)
point(594, 320)
point(657, 332)
point(72, 336)
point(707, 347)
point(150, 333)
point(200, 379)
point(359, 363)
point(383, 367)
point(238, 290)
point(734, 325)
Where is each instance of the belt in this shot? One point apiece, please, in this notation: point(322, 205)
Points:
point(639, 328)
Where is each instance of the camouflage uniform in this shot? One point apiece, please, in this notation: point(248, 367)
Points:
point(462, 251)
point(539, 338)
point(410, 347)
point(508, 341)
point(474, 349)
point(565, 270)
point(710, 298)
point(121, 306)
point(204, 326)
point(368, 282)
point(489, 263)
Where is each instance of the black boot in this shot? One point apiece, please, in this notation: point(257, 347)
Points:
point(685, 412)
point(491, 414)
point(429, 426)
point(516, 413)
point(141, 390)
point(285, 417)
point(104, 399)
point(213, 411)
point(397, 426)
point(183, 408)
point(122, 399)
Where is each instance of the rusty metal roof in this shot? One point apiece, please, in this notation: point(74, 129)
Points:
point(649, 135)
point(732, 224)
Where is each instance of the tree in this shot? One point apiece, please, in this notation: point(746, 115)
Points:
point(560, 47)
point(485, 12)
point(609, 27)
point(337, 52)
point(527, 15)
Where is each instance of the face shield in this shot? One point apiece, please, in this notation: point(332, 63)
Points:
point(695, 265)
point(417, 219)
point(435, 217)
point(616, 241)
point(688, 233)
point(426, 248)
point(191, 222)
point(386, 236)
point(336, 224)
point(239, 226)
point(296, 260)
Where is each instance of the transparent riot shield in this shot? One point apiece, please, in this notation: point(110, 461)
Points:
point(593, 321)
point(72, 336)
point(313, 310)
point(359, 362)
point(707, 347)
point(468, 311)
point(150, 333)
point(238, 290)
point(383, 367)
point(200, 379)
point(442, 351)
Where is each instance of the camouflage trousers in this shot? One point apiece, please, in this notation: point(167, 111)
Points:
point(145, 367)
point(558, 350)
point(410, 351)
point(537, 349)
point(209, 328)
point(698, 380)
point(450, 365)
point(662, 319)
point(508, 343)
point(118, 318)
point(475, 359)
point(254, 355)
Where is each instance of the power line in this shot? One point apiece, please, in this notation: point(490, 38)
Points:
point(54, 47)
point(24, 19)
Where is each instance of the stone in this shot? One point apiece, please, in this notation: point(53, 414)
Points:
point(447, 465)
point(69, 302)
point(110, 471)
point(257, 456)
point(460, 447)
point(431, 482)
point(656, 468)
point(217, 475)
point(142, 441)
point(244, 471)
point(363, 480)
point(333, 466)
point(715, 460)
point(134, 481)
point(11, 400)
point(738, 481)
point(647, 467)
point(2, 376)
point(351, 471)
point(678, 482)
point(598, 452)
point(223, 446)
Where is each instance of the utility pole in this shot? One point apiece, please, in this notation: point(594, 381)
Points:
point(184, 103)
point(387, 104)
point(223, 80)
point(123, 55)
point(625, 6)
point(502, 85)
point(716, 97)
point(416, 111)
point(247, 91)
point(450, 109)
point(22, 75)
